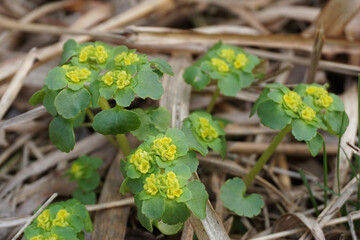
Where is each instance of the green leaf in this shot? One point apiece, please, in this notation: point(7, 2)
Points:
point(315, 144)
point(162, 65)
point(124, 97)
point(175, 212)
point(334, 119)
point(145, 222)
point(272, 115)
point(84, 197)
point(246, 79)
point(168, 229)
point(185, 196)
point(337, 104)
point(182, 172)
point(70, 103)
point(154, 207)
point(115, 121)
point(79, 119)
point(178, 138)
point(251, 63)
point(160, 118)
point(32, 231)
point(61, 134)
point(67, 233)
point(197, 204)
point(108, 92)
point(229, 85)
point(49, 100)
point(195, 77)
point(302, 131)
point(132, 172)
point(135, 185)
point(37, 97)
point(90, 183)
point(193, 141)
point(56, 78)
point(69, 50)
point(148, 85)
point(75, 222)
point(189, 160)
point(276, 96)
point(232, 195)
point(262, 98)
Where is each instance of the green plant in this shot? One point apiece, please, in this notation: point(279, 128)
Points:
point(90, 74)
point(60, 221)
point(158, 173)
point(202, 131)
point(230, 66)
point(84, 171)
point(302, 111)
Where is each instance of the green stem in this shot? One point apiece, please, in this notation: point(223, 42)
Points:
point(266, 156)
point(306, 183)
point(325, 174)
point(338, 155)
point(121, 138)
point(211, 105)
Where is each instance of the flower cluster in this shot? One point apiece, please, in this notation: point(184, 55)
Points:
point(306, 109)
point(322, 98)
point(202, 131)
point(84, 171)
point(61, 220)
point(89, 74)
point(229, 65)
point(158, 173)
point(168, 184)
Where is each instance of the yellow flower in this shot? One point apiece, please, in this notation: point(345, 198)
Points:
point(164, 148)
point(60, 218)
point(171, 175)
point(220, 65)
point(324, 101)
point(227, 54)
point(292, 101)
point(308, 114)
point(144, 167)
point(108, 78)
point(38, 237)
point(150, 186)
point(101, 54)
point(62, 213)
point(206, 131)
point(123, 79)
point(53, 237)
point(77, 75)
point(125, 58)
point(44, 220)
point(98, 54)
point(240, 61)
point(316, 91)
point(86, 52)
point(76, 170)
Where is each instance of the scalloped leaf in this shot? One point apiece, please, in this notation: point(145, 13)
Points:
point(315, 144)
point(56, 79)
point(148, 85)
point(232, 195)
point(302, 131)
point(115, 121)
point(333, 120)
point(229, 85)
point(162, 65)
point(37, 97)
point(196, 78)
point(70, 103)
point(69, 50)
point(124, 97)
point(168, 229)
point(84, 197)
point(154, 207)
point(272, 115)
point(197, 204)
point(175, 212)
point(61, 134)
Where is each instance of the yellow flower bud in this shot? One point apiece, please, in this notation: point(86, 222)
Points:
point(206, 131)
point(308, 114)
point(53, 237)
point(220, 65)
point(38, 237)
point(164, 148)
point(324, 101)
point(151, 188)
point(292, 101)
point(107, 78)
point(240, 61)
point(86, 53)
point(123, 79)
point(227, 54)
point(44, 220)
point(77, 170)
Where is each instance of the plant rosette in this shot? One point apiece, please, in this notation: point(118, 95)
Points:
point(231, 66)
point(60, 221)
point(306, 109)
point(84, 172)
point(167, 198)
point(202, 131)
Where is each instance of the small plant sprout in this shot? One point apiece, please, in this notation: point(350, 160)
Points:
point(303, 111)
point(158, 173)
point(202, 131)
point(84, 172)
point(230, 66)
point(90, 74)
point(60, 221)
